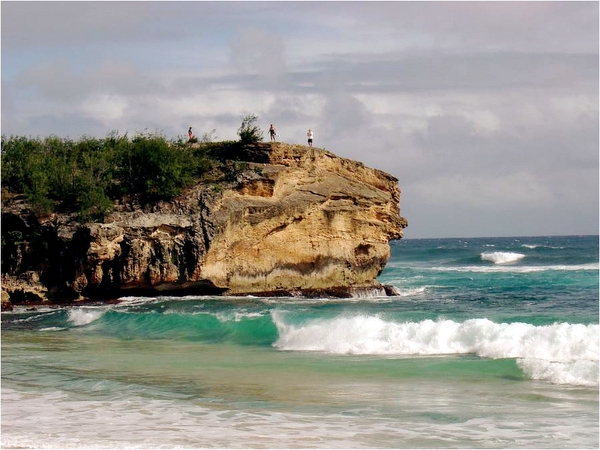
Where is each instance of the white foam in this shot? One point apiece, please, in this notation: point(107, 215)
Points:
point(533, 246)
point(412, 291)
point(502, 257)
point(369, 293)
point(578, 373)
point(132, 422)
point(33, 318)
point(518, 269)
point(84, 316)
point(237, 316)
point(575, 346)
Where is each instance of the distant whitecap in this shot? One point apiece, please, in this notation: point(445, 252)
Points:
point(502, 257)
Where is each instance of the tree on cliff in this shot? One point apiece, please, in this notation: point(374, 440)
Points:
point(249, 132)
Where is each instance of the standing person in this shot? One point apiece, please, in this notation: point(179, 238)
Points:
point(310, 137)
point(190, 134)
point(272, 132)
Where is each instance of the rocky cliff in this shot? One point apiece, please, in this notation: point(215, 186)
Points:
point(297, 220)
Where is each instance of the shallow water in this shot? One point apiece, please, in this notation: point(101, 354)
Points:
point(473, 353)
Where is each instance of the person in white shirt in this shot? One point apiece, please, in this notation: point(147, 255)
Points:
point(310, 137)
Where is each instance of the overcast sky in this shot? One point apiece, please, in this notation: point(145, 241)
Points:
point(487, 112)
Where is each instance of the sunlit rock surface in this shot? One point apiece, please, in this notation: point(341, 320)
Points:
point(296, 221)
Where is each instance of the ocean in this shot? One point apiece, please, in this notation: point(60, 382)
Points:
point(490, 343)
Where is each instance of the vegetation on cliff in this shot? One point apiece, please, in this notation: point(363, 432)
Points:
point(86, 176)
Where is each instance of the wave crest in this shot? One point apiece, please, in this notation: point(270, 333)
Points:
point(572, 347)
point(83, 316)
point(502, 257)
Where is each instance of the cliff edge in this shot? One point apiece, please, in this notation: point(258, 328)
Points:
point(296, 221)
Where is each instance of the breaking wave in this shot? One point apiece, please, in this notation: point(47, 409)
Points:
point(502, 257)
point(83, 316)
point(561, 353)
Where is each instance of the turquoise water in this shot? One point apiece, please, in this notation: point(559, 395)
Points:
point(490, 343)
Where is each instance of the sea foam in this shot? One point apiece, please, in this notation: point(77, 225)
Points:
point(518, 269)
point(502, 257)
point(83, 316)
point(559, 353)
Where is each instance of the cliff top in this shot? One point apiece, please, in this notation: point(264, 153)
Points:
point(88, 177)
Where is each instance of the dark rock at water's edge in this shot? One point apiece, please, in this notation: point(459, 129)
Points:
point(32, 303)
point(333, 292)
point(298, 221)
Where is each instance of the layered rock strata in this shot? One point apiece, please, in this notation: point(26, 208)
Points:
point(297, 221)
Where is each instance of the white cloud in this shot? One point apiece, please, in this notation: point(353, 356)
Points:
point(475, 106)
point(256, 51)
point(488, 191)
point(105, 108)
point(575, 110)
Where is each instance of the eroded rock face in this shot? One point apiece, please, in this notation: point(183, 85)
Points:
point(299, 220)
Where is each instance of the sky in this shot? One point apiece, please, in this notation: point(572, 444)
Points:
point(486, 112)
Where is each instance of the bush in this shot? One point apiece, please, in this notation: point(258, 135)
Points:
point(155, 168)
point(88, 175)
point(249, 132)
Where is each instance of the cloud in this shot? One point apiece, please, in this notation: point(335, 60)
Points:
point(487, 108)
point(60, 80)
point(343, 112)
point(256, 51)
point(105, 108)
point(500, 192)
point(27, 25)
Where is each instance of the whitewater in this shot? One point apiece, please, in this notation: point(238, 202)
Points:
point(560, 353)
point(490, 343)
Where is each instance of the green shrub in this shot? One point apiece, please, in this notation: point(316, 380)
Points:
point(249, 132)
point(88, 175)
point(155, 169)
point(209, 136)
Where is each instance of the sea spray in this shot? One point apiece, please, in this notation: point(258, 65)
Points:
point(575, 346)
point(84, 316)
point(577, 373)
point(502, 257)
